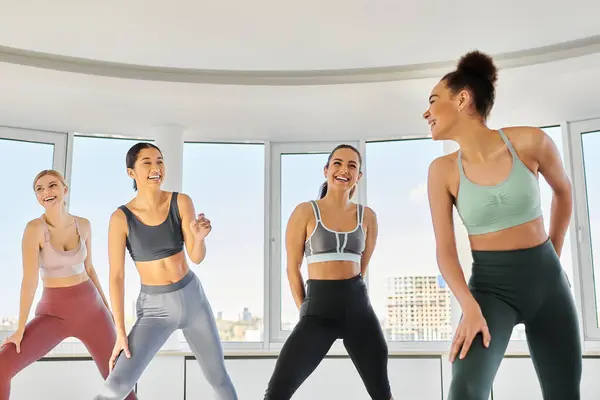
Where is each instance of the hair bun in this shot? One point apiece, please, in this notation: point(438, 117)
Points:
point(476, 63)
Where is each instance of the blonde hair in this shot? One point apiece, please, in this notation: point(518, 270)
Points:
point(53, 173)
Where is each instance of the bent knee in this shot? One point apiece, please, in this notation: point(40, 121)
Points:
point(465, 388)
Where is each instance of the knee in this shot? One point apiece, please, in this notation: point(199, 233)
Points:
point(468, 388)
point(7, 362)
point(115, 388)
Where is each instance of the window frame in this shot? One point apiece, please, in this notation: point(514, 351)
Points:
point(434, 346)
point(232, 346)
point(277, 336)
point(57, 139)
point(580, 225)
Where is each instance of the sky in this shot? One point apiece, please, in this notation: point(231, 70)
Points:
point(226, 182)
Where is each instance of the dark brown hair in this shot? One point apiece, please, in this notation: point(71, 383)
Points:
point(323, 188)
point(477, 73)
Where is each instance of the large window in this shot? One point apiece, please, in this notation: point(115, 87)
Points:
point(99, 185)
point(33, 152)
point(585, 144)
point(226, 183)
point(296, 176)
point(407, 291)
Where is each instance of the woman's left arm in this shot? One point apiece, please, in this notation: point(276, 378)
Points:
point(371, 227)
point(551, 167)
point(89, 266)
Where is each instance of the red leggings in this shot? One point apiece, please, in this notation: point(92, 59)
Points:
point(75, 311)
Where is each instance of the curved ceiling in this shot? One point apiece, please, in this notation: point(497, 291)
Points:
point(538, 95)
point(271, 35)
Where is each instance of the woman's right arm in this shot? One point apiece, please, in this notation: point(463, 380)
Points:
point(295, 235)
point(117, 236)
point(30, 248)
point(440, 204)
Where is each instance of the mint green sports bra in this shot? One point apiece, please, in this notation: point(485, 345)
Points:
point(512, 202)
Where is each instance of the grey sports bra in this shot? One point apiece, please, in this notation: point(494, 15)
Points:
point(325, 244)
point(148, 243)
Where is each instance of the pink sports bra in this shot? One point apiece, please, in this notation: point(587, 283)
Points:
point(59, 263)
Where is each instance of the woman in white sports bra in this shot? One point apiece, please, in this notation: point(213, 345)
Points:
point(337, 237)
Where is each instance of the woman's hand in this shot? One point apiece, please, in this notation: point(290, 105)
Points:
point(121, 345)
point(15, 338)
point(200, 227)
point(471, 323)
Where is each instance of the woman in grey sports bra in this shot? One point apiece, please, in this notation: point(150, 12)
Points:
point(155, 226)
point(337, 237)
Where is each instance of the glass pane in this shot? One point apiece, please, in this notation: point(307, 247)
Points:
point(99, 185)
point(226, 182)
point(301, 178)
point(25, 160)
point(407, 291)
point(591, 162)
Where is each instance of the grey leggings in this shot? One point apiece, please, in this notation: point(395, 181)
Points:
point(160, 311)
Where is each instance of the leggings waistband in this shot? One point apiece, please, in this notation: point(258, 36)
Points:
point(170, 287)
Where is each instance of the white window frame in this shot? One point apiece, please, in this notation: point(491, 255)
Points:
point(277, 336)
point(232, 347)
point(581, 229)
point(58, 139)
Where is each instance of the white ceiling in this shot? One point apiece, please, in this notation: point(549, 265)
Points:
point(278, 36)
point(542, 94)
point(285, 35)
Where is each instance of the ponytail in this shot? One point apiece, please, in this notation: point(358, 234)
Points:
point(322, 190)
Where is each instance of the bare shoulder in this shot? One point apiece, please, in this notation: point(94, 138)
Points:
point(184, 199)
point(303, 210)
point(84, 224)
point(370, 214)
point(118, 216)
point(442, 166)
point(34, 227)
point(526, 138)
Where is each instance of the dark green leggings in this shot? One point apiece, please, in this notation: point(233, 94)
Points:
point(522, 286)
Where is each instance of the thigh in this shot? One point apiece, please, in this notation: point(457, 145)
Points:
point(472, 377)
point(555, 345)
point(366, 346)
point(201, 333)
point(302, 352)
point(42, 334)
point(147, 336)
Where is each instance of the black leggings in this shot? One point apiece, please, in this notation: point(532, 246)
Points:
point(522, 286)
point(333, 309)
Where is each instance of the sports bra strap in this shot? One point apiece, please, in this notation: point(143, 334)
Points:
point(316, 210)
point(360, 210)
point(46, 231)
point(507, 142)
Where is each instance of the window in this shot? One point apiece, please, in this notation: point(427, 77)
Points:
point(407, 291)
point(296, 176)
point(585, 147)
point(31, 153)
point(226, 182)
point(99, 185)
point(591, 149)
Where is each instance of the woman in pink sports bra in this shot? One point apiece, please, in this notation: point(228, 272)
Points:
point(57, 246)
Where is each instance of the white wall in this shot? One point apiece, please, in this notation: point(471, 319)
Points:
point(177, 377)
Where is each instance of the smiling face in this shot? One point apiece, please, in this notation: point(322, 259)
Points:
point(444, 110)
point(149, 169)
point(343, 169)
point(50, 189)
